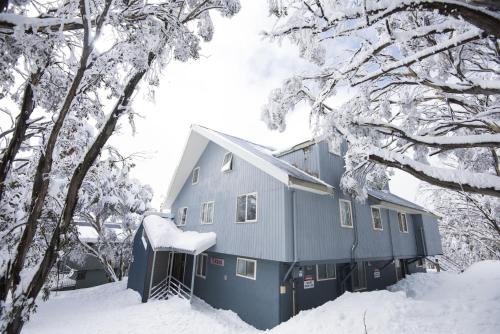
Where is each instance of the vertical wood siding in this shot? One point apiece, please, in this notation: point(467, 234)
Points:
point(264, 239)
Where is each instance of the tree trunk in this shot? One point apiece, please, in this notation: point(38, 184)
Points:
point(16, 323)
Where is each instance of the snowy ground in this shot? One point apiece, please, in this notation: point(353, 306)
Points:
point(423, 303)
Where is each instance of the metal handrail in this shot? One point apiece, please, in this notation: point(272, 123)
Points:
point(170, 286)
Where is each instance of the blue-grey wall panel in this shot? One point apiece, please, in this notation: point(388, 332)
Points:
point(264, 239)
point(255, 301)
point(306, 159)
point(432, 236)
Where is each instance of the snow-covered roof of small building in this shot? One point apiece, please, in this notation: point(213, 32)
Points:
point(258, 155)
point(163, 234)
point(88, 234)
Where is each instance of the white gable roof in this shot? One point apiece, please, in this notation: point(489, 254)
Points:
point(257, 155)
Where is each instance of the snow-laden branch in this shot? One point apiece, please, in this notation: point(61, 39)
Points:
point(461, 39)
point(479, 183)
point(443, 142)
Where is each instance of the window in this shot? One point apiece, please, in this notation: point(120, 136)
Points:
point(403, 225)
point(420, 263)
point(201, 265)
point(246, 208)
point(345, 213)
point(196, 175)
point(246, 268)
point(359, 277)
point(207, 213)
point(326, 271)
point(377, 219)
point(80, 275)
point(182, 216)
point(227, 163)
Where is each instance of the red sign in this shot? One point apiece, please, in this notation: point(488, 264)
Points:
point(308, 278)
point(217, 262)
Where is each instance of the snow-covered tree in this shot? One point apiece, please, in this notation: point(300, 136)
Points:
point(68, 73)
point(469, 224)
point(109, 198)
point(421, 81)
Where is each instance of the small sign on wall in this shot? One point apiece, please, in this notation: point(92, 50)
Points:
point(376, 273)
point(309, 284)
point(217, 262)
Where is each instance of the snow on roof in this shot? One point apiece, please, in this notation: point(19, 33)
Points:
point(258, 155)
point(87, 233)
point(391, 198)
point(163, 234)
point(268, 155)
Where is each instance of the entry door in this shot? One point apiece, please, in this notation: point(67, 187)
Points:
point(400, 269)
point(178, 270)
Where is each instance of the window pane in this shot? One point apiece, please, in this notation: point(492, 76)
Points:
point(227, 163)
point(196, 173)
point(322, 271)
point(251, 207)
point(250, 268)
point(345, 211)
point(330, 268)
point(241, 267)
point(377, 221)
point(210, 213)
point(241, 208)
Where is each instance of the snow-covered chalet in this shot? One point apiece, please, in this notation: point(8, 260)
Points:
point(267, 234)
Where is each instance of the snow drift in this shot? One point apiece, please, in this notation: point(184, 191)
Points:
point(422, 303)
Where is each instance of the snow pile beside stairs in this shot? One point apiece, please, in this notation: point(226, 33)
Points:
point(431, 303)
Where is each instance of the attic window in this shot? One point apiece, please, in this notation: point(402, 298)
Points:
point(227, 163)
point(196, 175)
point(334, 147)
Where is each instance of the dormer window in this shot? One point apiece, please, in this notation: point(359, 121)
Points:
point(196, 175)
point(227, 163)
point(334, 146)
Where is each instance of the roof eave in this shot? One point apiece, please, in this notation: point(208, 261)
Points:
point(402, 208)
point(316, 188)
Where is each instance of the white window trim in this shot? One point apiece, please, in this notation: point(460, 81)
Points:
point(248, 260)
point(406, 222)
point(185, 220)
point(213, 212)
point(202, 255)
point(246, 209)
point(192, 176)
point(325, 279)
point(223, 164)
point(350, 211)
point(373, 219)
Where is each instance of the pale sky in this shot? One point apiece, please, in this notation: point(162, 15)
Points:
point(224, 90)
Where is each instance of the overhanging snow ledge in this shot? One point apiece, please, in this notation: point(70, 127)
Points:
point(164, 235)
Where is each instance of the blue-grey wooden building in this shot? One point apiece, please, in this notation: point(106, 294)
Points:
point(287, 238)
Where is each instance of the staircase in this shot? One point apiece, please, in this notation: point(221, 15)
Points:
point(169, 287)
point(446, 263)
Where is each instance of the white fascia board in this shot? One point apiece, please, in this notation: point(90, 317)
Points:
point(401, 208)
point(197, 145)
point(310, 187)
point(255, 160)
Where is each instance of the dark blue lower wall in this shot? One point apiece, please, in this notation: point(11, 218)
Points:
point(140, 266)
point(255, 301)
